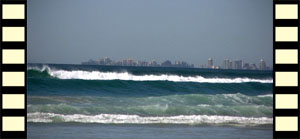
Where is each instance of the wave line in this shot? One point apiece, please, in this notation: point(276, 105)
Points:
point(135, 119)
point(98, 75)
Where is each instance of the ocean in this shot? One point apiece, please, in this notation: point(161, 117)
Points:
point(116, 102)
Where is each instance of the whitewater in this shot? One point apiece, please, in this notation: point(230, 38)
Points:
point(135, 119)
point(99, 75)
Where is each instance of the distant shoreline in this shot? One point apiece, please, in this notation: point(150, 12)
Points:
point(148, 67)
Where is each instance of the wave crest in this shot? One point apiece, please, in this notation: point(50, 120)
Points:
point(98, 75)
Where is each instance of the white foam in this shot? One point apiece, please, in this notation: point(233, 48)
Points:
point(135, 119)
point(44, 68)
point(98, 75)
point(268, 95)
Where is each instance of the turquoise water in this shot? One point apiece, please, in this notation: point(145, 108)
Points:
point(85, 96)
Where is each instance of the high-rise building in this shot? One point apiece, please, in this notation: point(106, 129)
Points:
point(262, 65)
point(230, 65)
point(245, 65)
point(237, 64)
point(226, 64)
point(210, 63)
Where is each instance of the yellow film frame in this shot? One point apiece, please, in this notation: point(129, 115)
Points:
point(286, 69)
point(13, 69)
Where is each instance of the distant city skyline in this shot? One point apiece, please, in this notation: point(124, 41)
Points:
point(215, 61)
point(227, 63)
point(133, 62)
point(238, 64)
point(72, 31)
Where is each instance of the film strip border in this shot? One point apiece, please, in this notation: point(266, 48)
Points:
point(286, 69)
point(13, 69)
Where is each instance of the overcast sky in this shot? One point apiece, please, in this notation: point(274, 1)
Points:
point(72, 31)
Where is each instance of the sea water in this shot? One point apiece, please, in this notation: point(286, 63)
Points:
point(116, 102)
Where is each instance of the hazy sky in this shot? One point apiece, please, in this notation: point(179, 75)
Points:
point(72, 31)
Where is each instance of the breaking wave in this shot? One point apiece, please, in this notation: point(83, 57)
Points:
point(99, 75)
point(135, 119)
